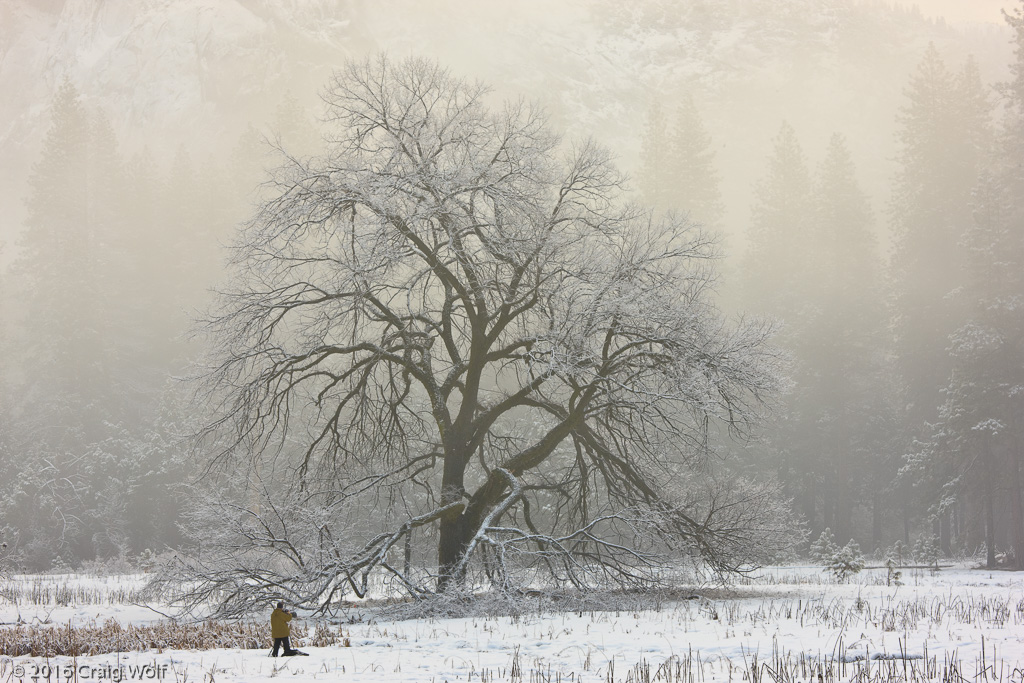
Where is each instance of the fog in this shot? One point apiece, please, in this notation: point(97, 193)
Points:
point(959, 11)
point(838, 149)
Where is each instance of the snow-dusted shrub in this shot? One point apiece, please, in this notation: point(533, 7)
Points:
point(926, 550)
point(841, 562)
point(824, 548)
point(1006, 558)
point(895, 556)
point(6, 551)
point(109, 566)
point(147, 560)
point(893, 575)
point(898, 552)
point(846, 562)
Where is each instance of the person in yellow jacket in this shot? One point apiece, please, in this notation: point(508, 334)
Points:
point(280, 630)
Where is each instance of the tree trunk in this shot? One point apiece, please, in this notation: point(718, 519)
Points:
point(843, 515)
point(990, 508)
point(957, 522)
point(906, 523)
point(808, 496)
point(450, 547)
point(973, 520)
point(828, 509)
point(453, 536)
point(1017, 508)
point(876, 520)
point(785, 476)
point(944, 542)
point(407, 557)
point(842, 510)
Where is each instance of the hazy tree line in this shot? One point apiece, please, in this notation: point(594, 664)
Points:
point(117, 258)
point(902, 424)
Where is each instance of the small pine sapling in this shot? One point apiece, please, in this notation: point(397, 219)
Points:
point(896, 552)
point(893, 575)
point(926, 551)
point(841, 562)
point(846, 562)
point(825, 548)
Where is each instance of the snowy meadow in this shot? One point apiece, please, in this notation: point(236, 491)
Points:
point(781, 624)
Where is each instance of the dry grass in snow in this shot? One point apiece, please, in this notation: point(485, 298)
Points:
point(788, 624)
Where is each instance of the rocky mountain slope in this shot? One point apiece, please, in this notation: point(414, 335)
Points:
point(197, 72)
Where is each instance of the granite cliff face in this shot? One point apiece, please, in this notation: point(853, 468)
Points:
point(197, 72)
point(154, 65)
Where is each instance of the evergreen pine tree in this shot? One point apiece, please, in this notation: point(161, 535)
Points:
point(692, 168)
point(293, 128)
point(59, 350)
point(938, 167)
point(985, 393)
point(777, 260)
point(846, 409)
point(76, 348)
point(657, 184)
point(774, 280)
point(943, 135)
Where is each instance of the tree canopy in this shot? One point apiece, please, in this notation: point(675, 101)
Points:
point(454, 318)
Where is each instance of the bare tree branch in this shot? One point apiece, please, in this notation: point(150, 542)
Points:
point(454, 306)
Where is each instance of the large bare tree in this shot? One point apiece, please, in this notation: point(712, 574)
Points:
point(452, 303)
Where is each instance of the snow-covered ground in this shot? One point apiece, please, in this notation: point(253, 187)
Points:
point(790, 619)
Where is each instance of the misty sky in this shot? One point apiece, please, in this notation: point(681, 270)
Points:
point(964, 10)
